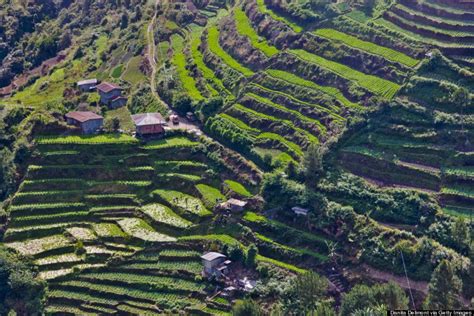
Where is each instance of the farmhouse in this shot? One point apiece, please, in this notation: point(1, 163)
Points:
point(215, 264)
point(87, 85)
point(88, 121)
point(111, 95)
point(147, 124)
point(233, 205)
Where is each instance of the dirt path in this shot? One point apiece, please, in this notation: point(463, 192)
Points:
point(152, 55)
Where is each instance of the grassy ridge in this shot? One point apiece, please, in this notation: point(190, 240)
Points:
point(245, 28)
point(215, 47)
point(263, 8)
point(369, 47)
point(371, 83)
point(293, 79)
point(207, 73)
point(179, 60)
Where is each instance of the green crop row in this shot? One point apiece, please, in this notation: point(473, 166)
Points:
point(371, 83)
point(165, 215)
point(210, 195)
point(169, 282)
point(179, 253)
point(289, 144)
point(183, 201)
point(207, 73)
point(372, 48)
point(293, 79)
point(214, 46)
point(87, 139)
point(120, 291)
point(173, 142)
point(290, 124)
point(287, 110)
point(42, 206)
point(179, 60)
point(263, 8)
point(184, 176)
point(237, 188)
point(320, 108)
point(245, 28)
point(239, 123)
point(194, 267)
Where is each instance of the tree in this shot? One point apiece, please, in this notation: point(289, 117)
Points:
point(461, 98)
point(460, 231)
point(251, 256)
point(115, 124)
point(324, 309)
point(313, 164)
point(182, 103)
point(236, 254)
point(444, 288)
point(362, 298)
point(211, 106)
point(124, 21)
point(20, 291)
point(305, 293)
point(469, 285)
point(246, 307)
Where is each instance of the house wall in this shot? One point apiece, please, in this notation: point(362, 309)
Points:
point(117, 103)
point(210, 266)
point(86, 87)
point(91, 126)
point(150, 129)
point(106, 97)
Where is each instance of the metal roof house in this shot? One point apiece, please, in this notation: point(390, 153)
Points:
point(87, 85)
point(111, 95)
point(215, 264)
point(88, 121)
point(149, 124)
point(233, 205)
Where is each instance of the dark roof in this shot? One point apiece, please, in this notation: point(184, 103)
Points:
point(106, 87)
point(83, 116)
point(211, 256)
point(145, 119)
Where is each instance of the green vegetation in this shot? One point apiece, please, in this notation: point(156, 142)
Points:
point(183, 202)
point(237, 188)
point(214, 46)
point(245, 28)
point(86, 140)
point(179, 60)
point(165, 215)
point(133, 74)
point(372, 48)
point(210, 195)
point(173, 142)
point(264, 9)
point(293, 79)
point(373, 84)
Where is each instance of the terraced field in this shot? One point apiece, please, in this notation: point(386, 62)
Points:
point(445, 26)
point(72, 217)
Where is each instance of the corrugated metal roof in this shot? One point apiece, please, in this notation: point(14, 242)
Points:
point(83, 116)
point(87, 82)
point(148, 119)
point(106, 87)
point(211, 256)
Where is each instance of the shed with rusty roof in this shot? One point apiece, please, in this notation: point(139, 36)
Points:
point(89, 122)
point(149, 123)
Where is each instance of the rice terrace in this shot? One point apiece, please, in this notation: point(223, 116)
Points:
point(236, 157)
